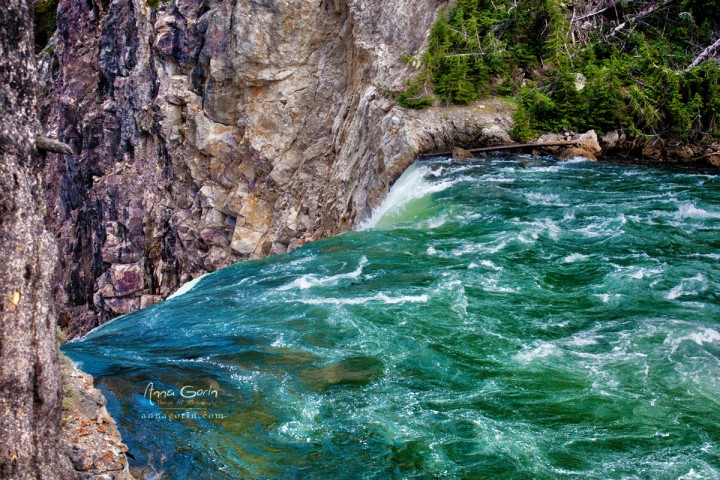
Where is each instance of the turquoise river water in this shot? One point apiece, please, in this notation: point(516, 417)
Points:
point(513, 318)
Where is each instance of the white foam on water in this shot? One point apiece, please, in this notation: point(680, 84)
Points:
point(456, 290)
point(546, 225)
point(581, 342)
point(312, 280)
point(714, 256)
point(691, 475)
point(412, 185)
point(489, 247)
point(497, 179)
point(543, 350)
point(575, 257)
point(569, 215)
point(701, 337)
point(545, 199)
point(690, 210)
point(492, 285)
point(436, 222)
point(187, 286)
point(381, 297)
point(437, 172)
point(607, 227)
point(489, 264)
point(606, 297)
point(552, 169)
point(431, 250)
point(688, 286)
point(576, 160)
point(642, 272)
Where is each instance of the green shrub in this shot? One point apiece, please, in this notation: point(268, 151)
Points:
point(414, 97)
point(522, 130)
point(45, 22)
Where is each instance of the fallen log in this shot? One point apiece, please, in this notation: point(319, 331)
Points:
point(512, 146)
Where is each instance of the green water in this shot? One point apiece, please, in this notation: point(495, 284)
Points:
point(513, 318)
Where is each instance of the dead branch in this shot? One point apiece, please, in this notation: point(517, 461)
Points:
point(641, 14)
point(706, 54)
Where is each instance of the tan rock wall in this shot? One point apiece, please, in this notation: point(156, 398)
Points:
point(208, 131)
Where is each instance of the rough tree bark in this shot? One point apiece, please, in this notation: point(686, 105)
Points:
point(30, 389)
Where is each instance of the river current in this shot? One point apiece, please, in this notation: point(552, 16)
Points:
point(516, 317)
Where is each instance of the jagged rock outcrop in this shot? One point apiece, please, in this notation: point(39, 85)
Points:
point(208, 131)
point(618, 144)
point(586, 145)
point(89, 434)
point(29, 375)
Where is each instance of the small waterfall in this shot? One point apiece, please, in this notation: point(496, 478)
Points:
point(408, 197)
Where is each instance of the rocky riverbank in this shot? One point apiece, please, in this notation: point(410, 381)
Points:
point(89, 433)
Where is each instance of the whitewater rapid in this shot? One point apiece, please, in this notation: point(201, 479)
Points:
point(514, 317)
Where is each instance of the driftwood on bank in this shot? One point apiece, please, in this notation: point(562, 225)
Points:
point(512, 146)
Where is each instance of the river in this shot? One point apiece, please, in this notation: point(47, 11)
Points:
point(515, 317)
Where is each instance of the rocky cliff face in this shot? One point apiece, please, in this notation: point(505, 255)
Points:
point(29, 374)
point(208, 131)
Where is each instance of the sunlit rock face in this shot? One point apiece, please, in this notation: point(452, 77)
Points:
point(210, 131)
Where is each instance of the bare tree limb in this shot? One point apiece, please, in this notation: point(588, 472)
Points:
point(642, 13)
point(591, 14)
point(706, 54)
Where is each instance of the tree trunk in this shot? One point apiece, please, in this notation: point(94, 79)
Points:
point(30, 389)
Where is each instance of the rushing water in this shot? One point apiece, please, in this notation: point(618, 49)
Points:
point(511, 318)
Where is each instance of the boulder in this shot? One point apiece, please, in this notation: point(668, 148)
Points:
point(126, 279)
point(612, 140)
point(714, 159)
point(149, 300)
point(574, 152)
point(587, 146)
point(122, 305)
point(459, 154)
point(652, 151)
point(589, 141)
point(89, 434)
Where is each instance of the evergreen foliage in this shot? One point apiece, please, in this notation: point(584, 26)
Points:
point(635, 79)
point(45, 20)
